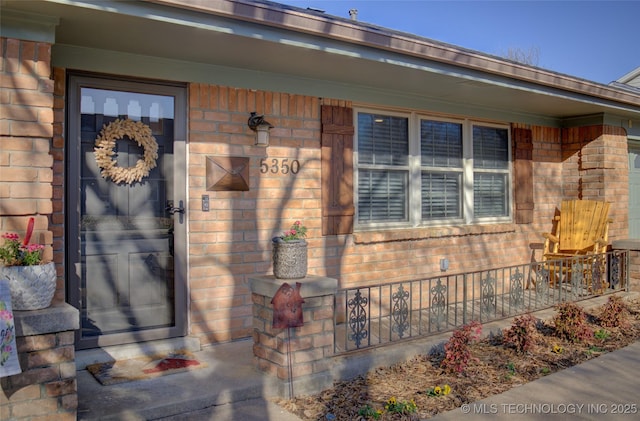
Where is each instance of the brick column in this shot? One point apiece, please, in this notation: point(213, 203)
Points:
point(308, 347)
point(46, 388)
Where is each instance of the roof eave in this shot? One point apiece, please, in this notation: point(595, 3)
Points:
point(322, 25)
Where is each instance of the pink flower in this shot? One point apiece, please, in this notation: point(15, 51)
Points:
point(6, 315)
point(34, 247)
point(295, 233)
point(13, 252)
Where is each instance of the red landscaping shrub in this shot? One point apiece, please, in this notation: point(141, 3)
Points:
point(522, 335)
point(614, 313)
point(571, 323)
point(457, 352)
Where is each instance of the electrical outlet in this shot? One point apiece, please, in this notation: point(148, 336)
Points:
point(444, 264)
point(205, 203)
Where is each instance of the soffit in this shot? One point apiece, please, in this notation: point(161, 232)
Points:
point(193, 36)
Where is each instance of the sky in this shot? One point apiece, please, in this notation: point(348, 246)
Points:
point(594, 40)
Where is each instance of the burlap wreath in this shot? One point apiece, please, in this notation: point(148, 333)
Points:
point(106, 142)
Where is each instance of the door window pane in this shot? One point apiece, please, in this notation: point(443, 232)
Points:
point(126, 235)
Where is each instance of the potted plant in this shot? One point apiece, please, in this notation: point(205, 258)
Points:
point(32, 283)
point(290, 253)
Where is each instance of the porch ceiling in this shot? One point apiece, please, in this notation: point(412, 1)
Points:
point(152, 29)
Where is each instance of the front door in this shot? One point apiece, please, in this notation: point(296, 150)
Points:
point(125, 212)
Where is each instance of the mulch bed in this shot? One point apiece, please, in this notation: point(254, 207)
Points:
point(495, 369)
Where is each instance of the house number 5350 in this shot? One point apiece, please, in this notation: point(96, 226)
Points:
point(282, 166)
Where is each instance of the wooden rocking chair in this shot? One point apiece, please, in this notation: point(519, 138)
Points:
point(581, 230)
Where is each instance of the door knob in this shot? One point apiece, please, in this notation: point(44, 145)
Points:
point(172, 209)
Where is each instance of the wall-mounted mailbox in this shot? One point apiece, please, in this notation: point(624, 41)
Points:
point(227, 173)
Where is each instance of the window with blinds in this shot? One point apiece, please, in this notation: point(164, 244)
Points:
point(490, 171)
point(411, 170)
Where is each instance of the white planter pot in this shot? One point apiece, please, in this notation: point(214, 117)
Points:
point(32, 287)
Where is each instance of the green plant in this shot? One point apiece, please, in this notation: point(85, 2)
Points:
point(614, 313)
point(594, 350)
point(522, 335)
point(545, 370)
point(13, 252)
point(297, 232)
point(511, 367)
point(601, 334)
point(397, 407)
point(457, 351)
point(369, 412)
point(571, 323)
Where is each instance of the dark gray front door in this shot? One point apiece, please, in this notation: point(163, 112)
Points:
point(126, 238)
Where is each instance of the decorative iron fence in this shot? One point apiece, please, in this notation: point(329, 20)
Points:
point(375, 315)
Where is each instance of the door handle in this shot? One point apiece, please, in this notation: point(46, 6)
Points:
point(172, 209)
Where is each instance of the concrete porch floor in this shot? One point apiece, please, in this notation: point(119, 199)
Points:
point(230, 388)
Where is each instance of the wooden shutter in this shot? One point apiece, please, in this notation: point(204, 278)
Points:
point(523, 175)
point(337, 170)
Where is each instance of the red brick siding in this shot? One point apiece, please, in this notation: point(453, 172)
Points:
point(46, 388)
point(595, 166)
point(26, 130)
point(232, 241)
point(56, 222)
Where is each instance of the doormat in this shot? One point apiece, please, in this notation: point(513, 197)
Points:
point(149, 367)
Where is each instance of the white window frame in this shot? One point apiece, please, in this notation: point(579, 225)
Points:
point(414, 205)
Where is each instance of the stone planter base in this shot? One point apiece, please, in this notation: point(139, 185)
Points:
point(32, 287)
point(290, 259)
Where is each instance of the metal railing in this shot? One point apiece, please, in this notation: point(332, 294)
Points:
point(370, 316)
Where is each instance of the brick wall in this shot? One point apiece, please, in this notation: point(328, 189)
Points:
point(296, 354)
point(26, 130)
point(233, 240)
point(595, 167)
point(231, 243)
point(311, 343)
point(57, 218)
point(46, 388)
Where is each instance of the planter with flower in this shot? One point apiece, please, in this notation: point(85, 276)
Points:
point(290, 253)
point(32, 283)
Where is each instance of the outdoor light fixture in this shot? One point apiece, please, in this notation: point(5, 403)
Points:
point(258, 124)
